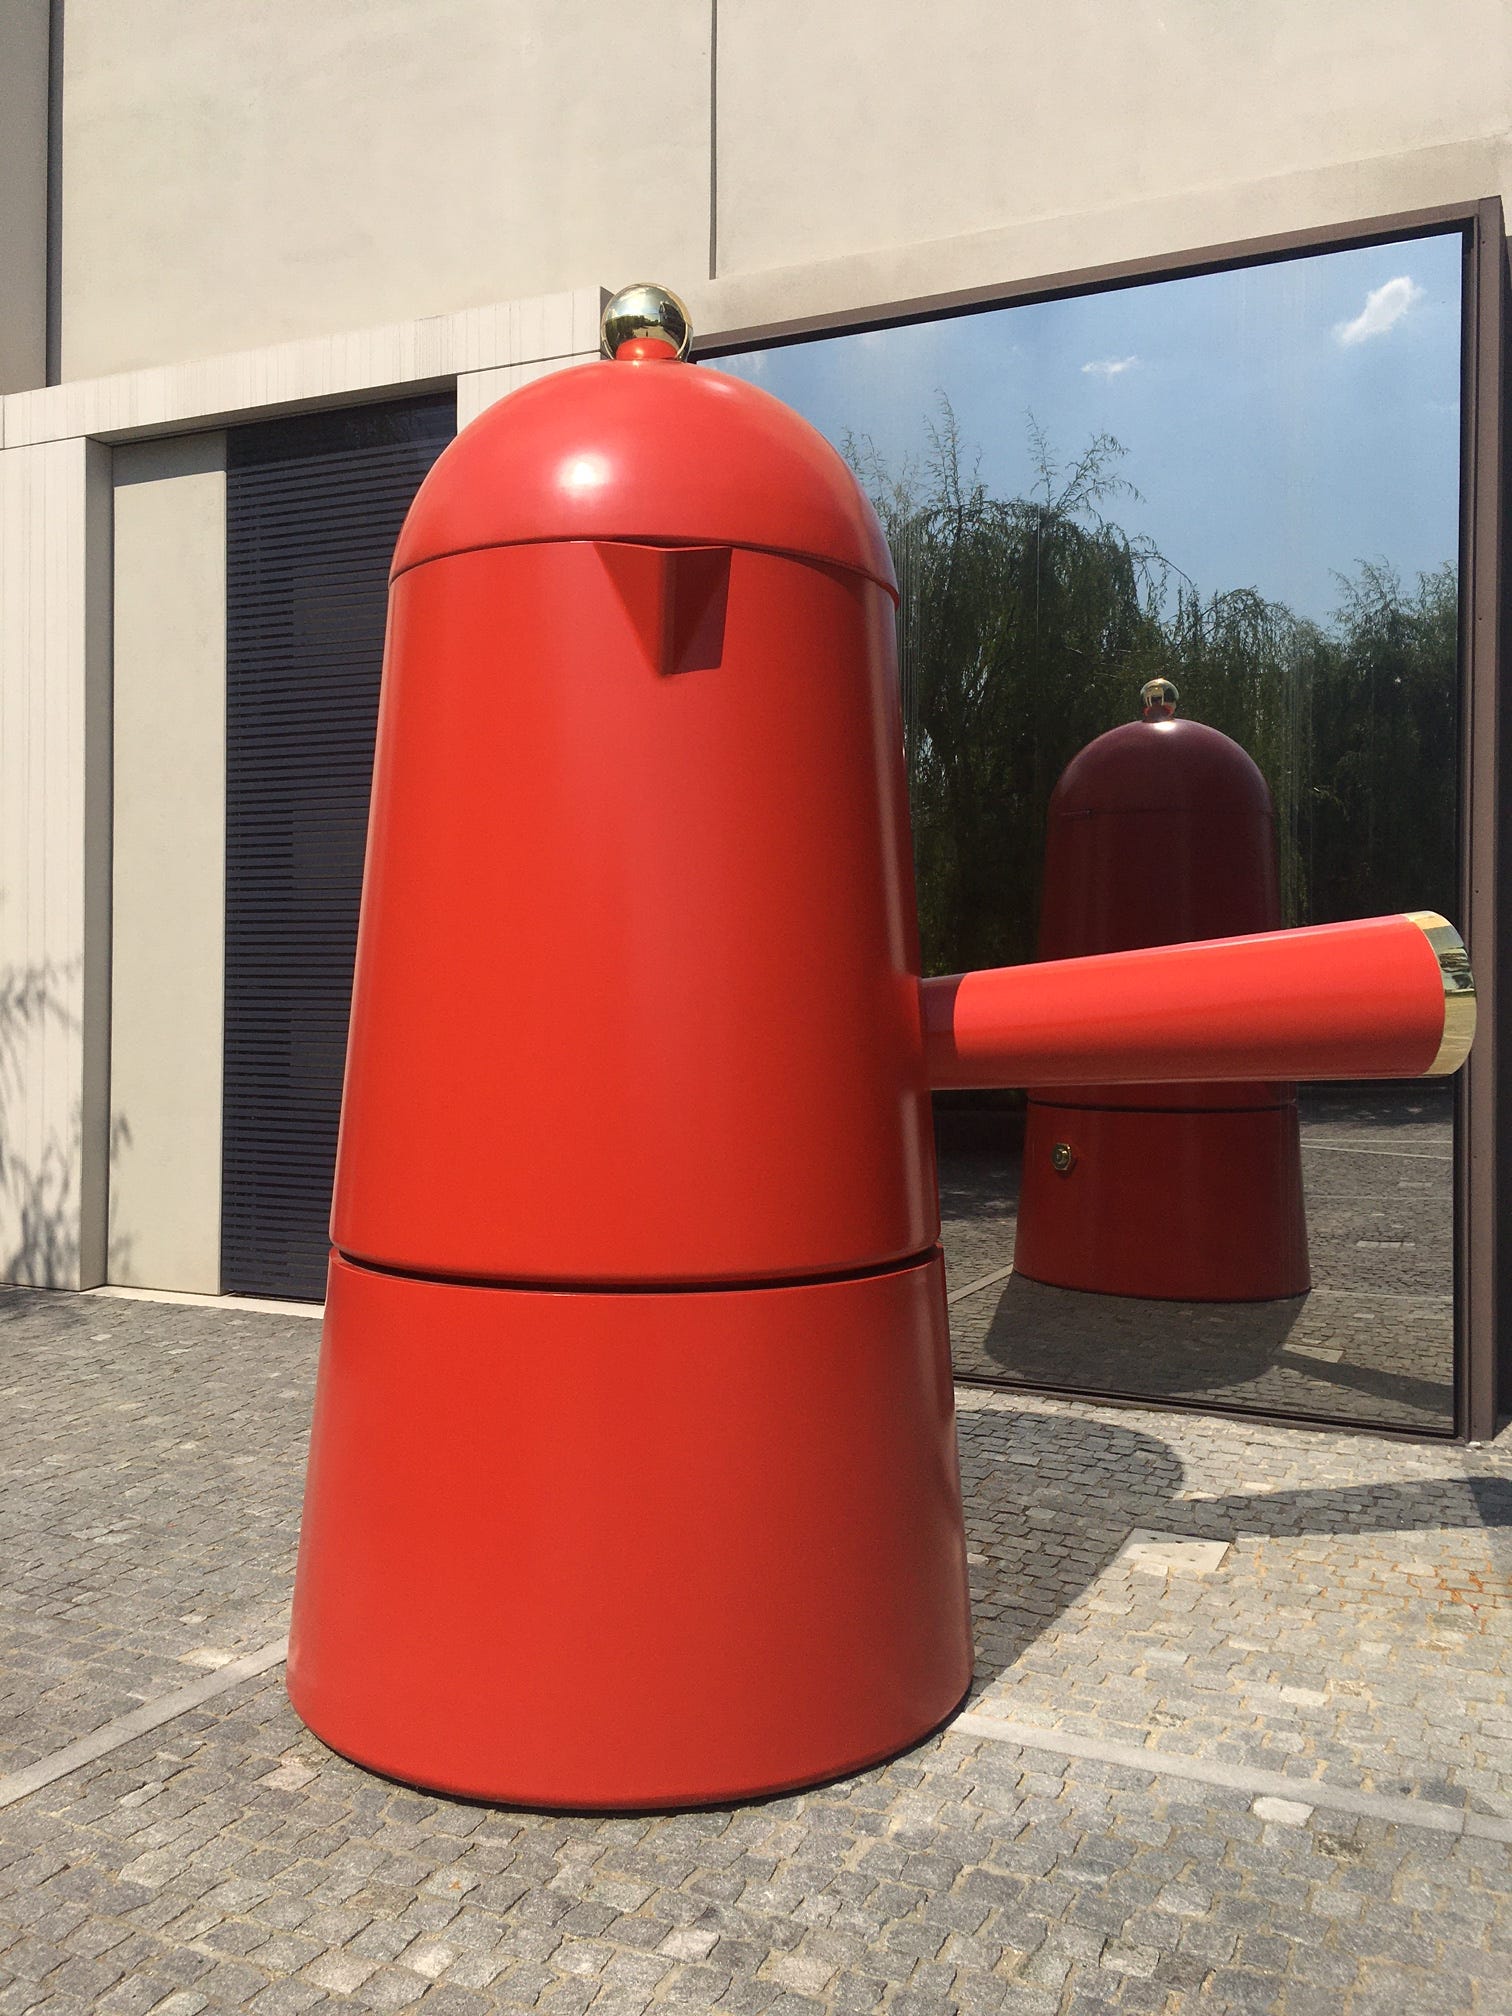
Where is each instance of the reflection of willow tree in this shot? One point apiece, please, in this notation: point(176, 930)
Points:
point(1028, 625)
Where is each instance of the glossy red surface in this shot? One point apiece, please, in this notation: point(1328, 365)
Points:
point(636, 1012)
point(648, 449)
point(1159, 833)
point(1162, 832)
point(1360, 1000)
point(1156, 770)
point(635, 996)
point(1185, 1207)
point(610, 1550)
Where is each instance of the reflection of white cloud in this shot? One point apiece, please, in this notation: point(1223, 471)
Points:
point(871, 339)
point(1109, 367)
point(1384, 308)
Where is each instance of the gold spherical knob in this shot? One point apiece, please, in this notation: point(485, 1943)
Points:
point(1157, 700)
point(645, 311)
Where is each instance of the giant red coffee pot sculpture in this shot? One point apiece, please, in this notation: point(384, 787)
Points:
point(633, 1477)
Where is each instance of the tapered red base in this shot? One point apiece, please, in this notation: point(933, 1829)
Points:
point(594, 1549)
point(1202, 1206)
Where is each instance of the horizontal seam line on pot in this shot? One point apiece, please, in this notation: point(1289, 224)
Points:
point(522, 1285)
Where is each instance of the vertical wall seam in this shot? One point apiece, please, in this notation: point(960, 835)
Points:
point(53, 282)
point(713, 139)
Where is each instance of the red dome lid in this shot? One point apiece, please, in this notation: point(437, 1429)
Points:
point(1160, 766)
point(647, 450)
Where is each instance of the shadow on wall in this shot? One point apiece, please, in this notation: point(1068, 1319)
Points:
point(40, 1193)
point(1053, 1497)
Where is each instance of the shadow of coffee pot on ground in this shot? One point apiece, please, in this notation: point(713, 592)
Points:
point(1052, 1497)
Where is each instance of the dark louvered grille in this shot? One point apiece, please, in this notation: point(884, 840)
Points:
point(313, 507)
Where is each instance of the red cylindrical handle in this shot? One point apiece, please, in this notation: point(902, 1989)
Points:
point(1385, 997)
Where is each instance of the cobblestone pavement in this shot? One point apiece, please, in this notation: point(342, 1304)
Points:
point(1346, 1628)
point(151, 1468)
point(1374, 1341)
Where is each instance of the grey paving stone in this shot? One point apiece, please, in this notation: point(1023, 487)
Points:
point(1358, 1631)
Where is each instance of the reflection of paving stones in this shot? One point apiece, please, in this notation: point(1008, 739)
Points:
point(1370, 1358)
point(1373, 1341)
point(1357, 1634)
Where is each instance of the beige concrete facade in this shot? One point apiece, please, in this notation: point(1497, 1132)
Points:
point(310, 166)
point(306, 166)
point(855, 128)
point(54, 861)
point(169, 880)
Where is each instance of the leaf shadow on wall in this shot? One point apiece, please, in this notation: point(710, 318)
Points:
point(40, 1186)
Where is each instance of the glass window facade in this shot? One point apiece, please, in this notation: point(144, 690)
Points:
point(1248, 483)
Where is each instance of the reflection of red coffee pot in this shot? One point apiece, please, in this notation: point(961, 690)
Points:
point(633, 1478)
point(1161, 831)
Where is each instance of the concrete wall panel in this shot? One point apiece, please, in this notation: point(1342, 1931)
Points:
point(868, 124)
point(240, 174)
point(168, 964)
point(54, 862)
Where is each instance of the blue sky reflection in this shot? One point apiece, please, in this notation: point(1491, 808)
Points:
point(1282, 422)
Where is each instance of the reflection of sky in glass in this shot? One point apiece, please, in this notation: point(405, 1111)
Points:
point(1282, 422)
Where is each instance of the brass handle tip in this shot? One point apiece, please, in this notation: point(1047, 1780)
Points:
point(1459, 991)
point(645, 311)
